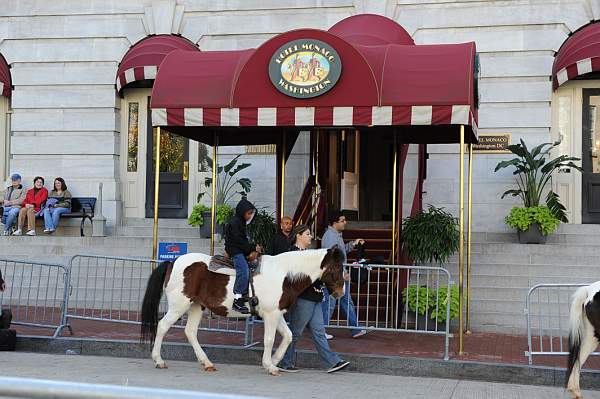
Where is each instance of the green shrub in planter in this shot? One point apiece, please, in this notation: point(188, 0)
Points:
point(224, 213)
point(522, 218)
point(420, 300)
point(430, 236)
point(262, 228)
point(196, 218)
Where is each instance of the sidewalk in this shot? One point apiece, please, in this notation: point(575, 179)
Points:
point(481, 347)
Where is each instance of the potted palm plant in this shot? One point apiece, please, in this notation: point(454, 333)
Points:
point(228, 185)
point(533, 170)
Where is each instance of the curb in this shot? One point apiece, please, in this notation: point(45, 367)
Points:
point(371, 364)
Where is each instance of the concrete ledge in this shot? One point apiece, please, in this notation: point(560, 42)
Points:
point(375, 364)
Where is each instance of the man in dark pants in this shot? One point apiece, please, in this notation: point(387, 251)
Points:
point(238, 247)
point(280, 242)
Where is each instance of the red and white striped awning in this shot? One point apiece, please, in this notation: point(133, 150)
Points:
point(142, 60)
point(5, 78)
point(315, 116)
point(579, 55)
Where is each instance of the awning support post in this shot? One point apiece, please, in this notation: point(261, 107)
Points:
point(470, 225)
point(461, 249)
point(156, 187)
point(213, 206)
point(282, 173)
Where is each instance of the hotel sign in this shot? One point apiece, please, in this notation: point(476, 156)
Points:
point(493, 143)
point(305, 68)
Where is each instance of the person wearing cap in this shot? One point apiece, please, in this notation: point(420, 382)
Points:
point(11, 203)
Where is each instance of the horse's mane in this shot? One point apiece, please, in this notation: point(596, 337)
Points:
point(296, 264)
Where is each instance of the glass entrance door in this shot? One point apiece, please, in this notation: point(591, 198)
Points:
point(591, 157)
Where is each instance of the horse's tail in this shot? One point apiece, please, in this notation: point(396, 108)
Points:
point(152, 301)
point(576, 326)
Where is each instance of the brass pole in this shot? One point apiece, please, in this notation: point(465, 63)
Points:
point(394, 198)
point(156, 186)
point(317, 187)
point(283, 150)
point(469, 227)
point(461, 254)
point(213, 207)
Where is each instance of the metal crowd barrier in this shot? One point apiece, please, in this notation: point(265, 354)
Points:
point(378, 296)
point(547, 311)
point(36, 293)
point(108, 288)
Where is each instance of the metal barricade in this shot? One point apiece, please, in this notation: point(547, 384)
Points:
point(547, 311)
point(36, 293)
point(379, 295)
point(107, 288)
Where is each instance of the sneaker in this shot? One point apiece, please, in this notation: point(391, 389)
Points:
point(6, 233)
point(359, 334)
point(18, 233)
point(30, 233)
point(50, 231)
point(239, 306)
point(46, 231)
point(328, 336)
point(338, 366)
point(288, 369)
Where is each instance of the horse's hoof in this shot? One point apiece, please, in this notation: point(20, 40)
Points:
point(275, 373)
point(210, 368)
point(161, 366)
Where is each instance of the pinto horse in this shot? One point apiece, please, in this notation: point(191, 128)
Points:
point(191, 287)
point(584, 333)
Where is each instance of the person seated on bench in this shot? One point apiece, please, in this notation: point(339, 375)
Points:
point(59, 202)
point(34, 200)
point(238, 247)
point(13, 198)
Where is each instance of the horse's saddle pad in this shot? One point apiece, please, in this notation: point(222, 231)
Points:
point(224, 265)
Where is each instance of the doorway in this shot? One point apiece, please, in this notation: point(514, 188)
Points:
point(377, 149)
point(590, 177)
point(174, 174)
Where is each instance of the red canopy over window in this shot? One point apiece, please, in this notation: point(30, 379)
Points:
point(579, 55)
point(142, 60)
point(386, 84)
point(5, 78)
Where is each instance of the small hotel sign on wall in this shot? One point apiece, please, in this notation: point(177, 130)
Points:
point(305, 68)
point(493, 143)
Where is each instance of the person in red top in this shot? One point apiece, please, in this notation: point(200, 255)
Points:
point(34, 201)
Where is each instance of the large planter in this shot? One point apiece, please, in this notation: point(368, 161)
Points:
point(533, 235)
point(205, 229)
point(424, 322)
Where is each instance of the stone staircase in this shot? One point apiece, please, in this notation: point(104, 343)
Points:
point(131, 239)
point(503, 271)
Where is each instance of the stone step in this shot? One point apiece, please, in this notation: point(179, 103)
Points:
point(149, 222)
point(171, 232)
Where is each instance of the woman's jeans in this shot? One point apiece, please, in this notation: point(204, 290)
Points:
point(308, 314)
point(9, 217)
point(346, 304)
point(52, 216)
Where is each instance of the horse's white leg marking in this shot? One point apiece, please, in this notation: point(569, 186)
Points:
point(271, 320)
point(173, 314)
point(588, 344)
point(191, 332)
point(286, 339)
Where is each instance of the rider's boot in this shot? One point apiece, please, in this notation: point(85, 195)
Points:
point(239, 305)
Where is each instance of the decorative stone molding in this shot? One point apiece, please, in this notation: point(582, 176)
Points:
point(163, 17)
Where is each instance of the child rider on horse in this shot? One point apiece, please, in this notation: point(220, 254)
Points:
point(238, 247)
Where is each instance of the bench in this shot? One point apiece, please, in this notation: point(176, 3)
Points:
point(81, 207)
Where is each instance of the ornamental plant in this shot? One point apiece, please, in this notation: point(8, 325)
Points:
point(430, 236)
point(522, 218)
point(533, 171)
point(196, 218)
point(227, 183)
point(262, 228)
point(224, 213)
point(421, 300)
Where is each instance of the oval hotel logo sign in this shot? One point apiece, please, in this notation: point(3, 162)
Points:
point(305, 68)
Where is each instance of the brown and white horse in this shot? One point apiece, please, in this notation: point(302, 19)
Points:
point(584, 333)
point(191, 287)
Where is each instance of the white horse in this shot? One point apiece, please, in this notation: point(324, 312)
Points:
point(584, 332)
point(191, 287)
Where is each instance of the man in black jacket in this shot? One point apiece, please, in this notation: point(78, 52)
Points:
point(238, 247)
point(280, 242)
